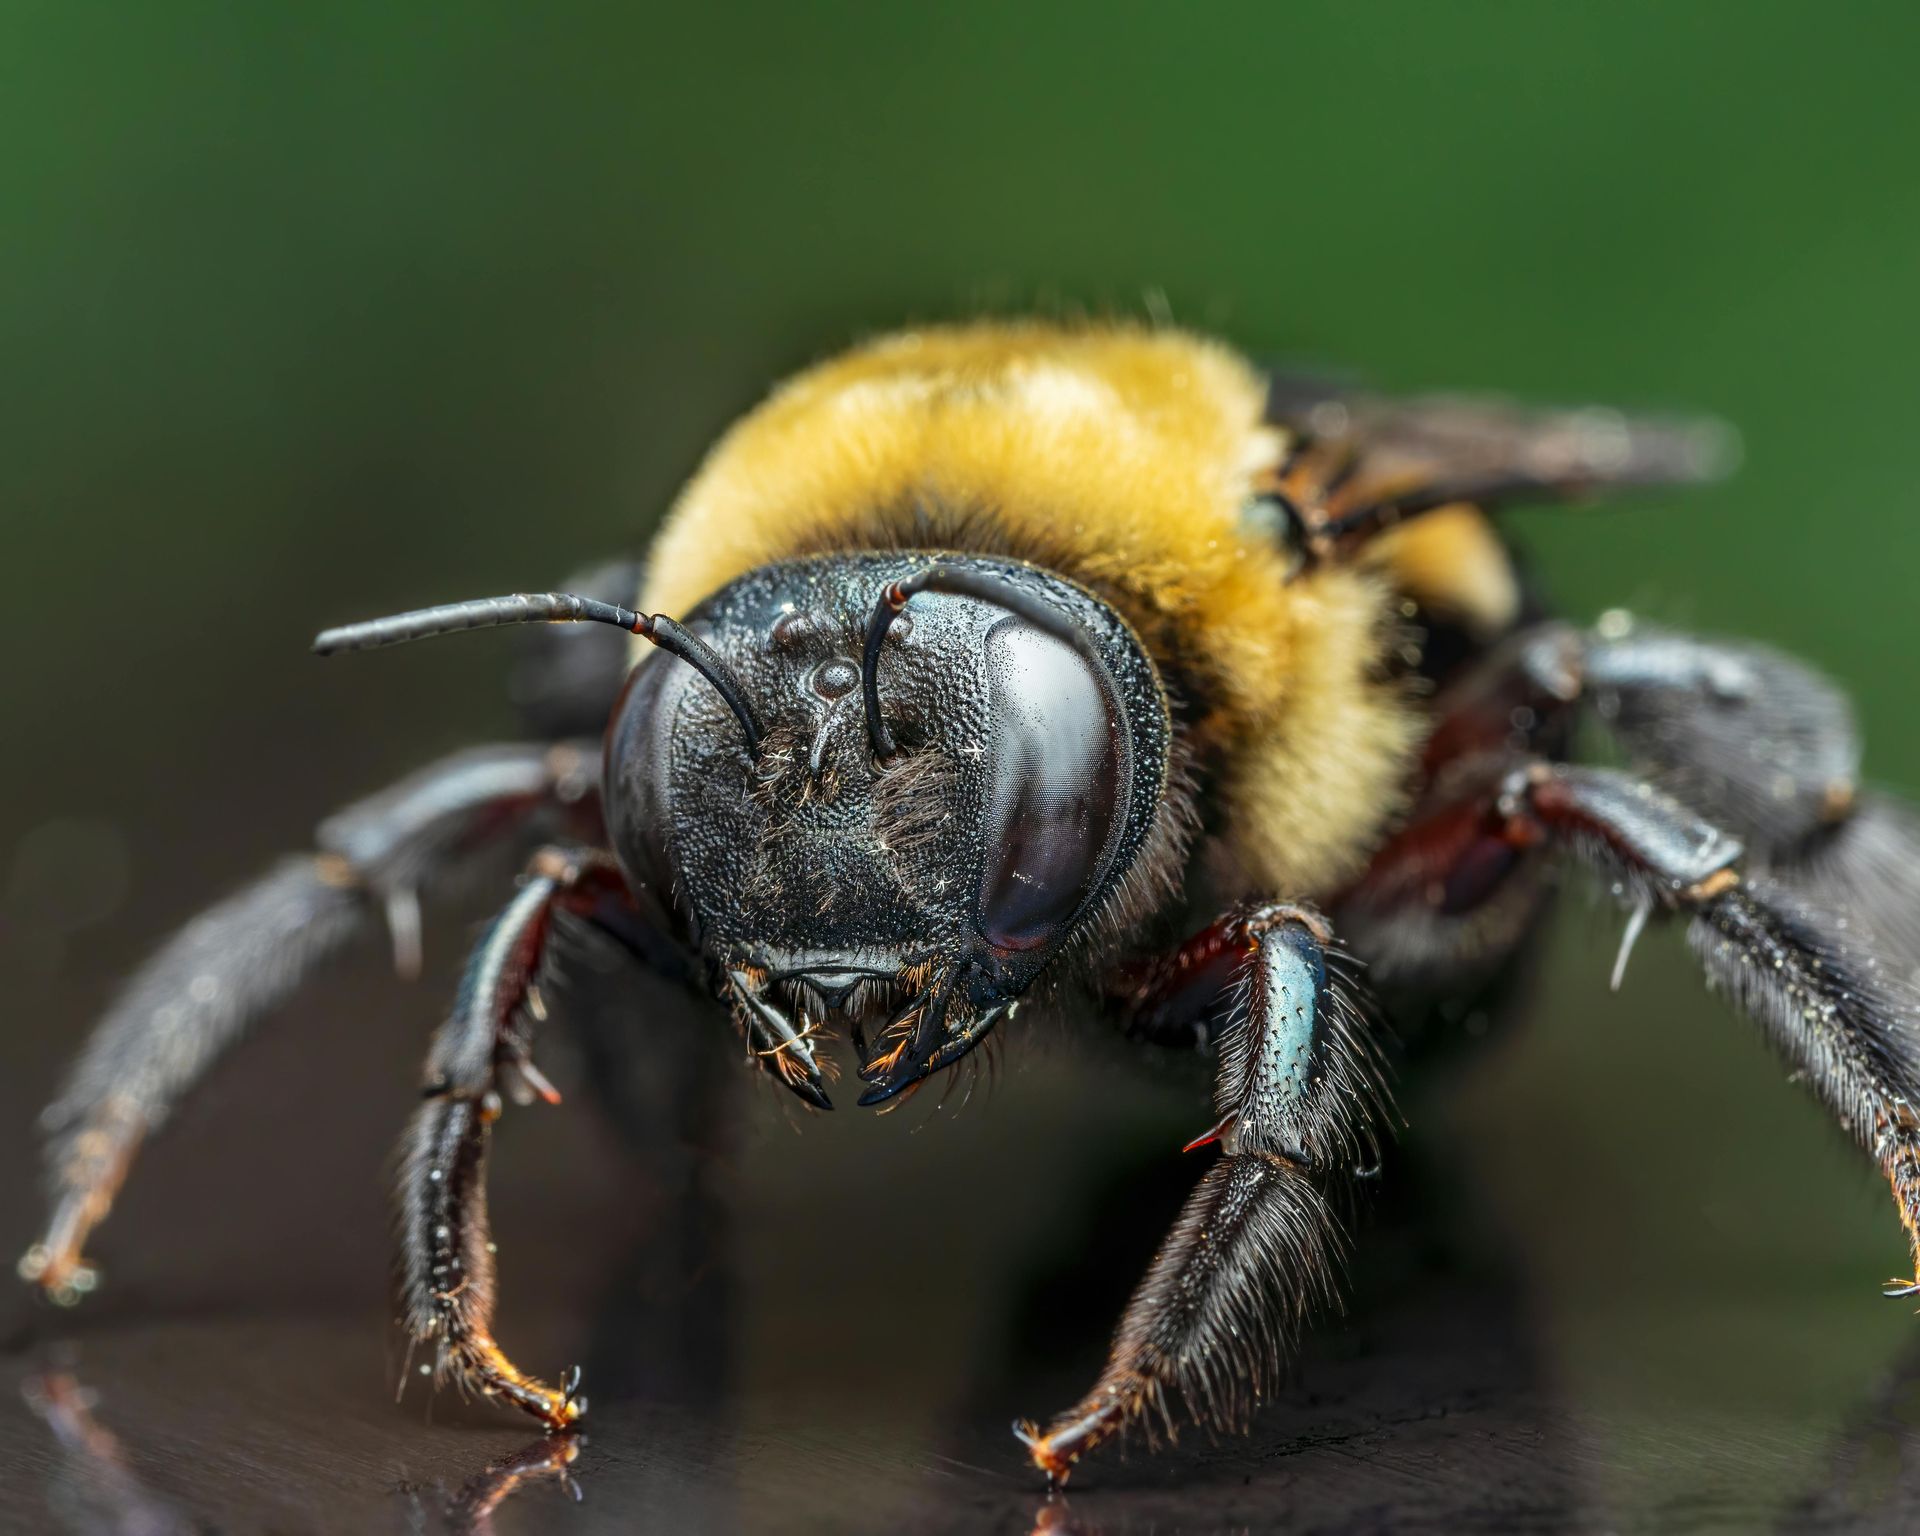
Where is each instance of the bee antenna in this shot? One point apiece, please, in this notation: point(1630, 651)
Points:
point(549, 608)
point(964, 583)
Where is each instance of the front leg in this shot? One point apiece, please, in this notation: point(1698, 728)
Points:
point(447, 1250)
point(1299, 1098)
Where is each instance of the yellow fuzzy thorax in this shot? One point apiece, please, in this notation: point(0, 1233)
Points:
point(1125, 460)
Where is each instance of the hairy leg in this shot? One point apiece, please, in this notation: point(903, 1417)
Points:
point(1763, 745)
point(1255, 1249)
point(1800, 895)
point(242, 957)
point(1447, 899)
point(1758, 743)
point(447, 1250)
point(1754, 739)
point(1834, 1005)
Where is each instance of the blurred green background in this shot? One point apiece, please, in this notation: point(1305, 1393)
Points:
point(308, 313)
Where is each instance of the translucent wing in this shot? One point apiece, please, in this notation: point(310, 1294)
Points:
point(1356, 464)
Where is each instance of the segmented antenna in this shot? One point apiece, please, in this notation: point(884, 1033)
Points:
point(549, 608)
point(964, 583)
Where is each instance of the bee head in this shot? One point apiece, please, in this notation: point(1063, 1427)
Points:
point(944, 771)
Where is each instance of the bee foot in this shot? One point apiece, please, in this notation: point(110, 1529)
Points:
point(1041, 1451)
point(63, 1277)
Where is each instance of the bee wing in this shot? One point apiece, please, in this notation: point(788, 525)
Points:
point(1359, 462)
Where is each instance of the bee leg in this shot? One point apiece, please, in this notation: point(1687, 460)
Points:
point(1756, 741)
point(1819, 984)
point(1449, 897)
point(1766, 747)
point(1183, 999)
point(447, 1254)
point(1868, 865)
point(245, 955)
point(1254, 1250)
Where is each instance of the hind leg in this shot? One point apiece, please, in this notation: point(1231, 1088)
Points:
point(1792, 952)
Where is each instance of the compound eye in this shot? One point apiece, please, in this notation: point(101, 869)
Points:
point(1054, 761)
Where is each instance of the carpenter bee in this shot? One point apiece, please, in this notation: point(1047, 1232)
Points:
point(1006, 655)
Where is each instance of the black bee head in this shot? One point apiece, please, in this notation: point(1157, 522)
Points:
point(956, 763)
